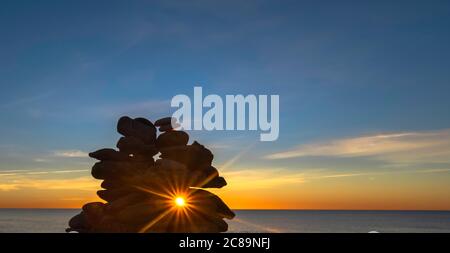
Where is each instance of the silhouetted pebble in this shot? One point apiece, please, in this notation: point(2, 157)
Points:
point(165, 121)
point(78, 221)
point(166, 128)
point(195, 156)
point(216, 182)
point(133, 146)
point(114, 194)
point(109, 154)
point(136, 128)
point(123, 202)
point(172, 138)
point(95, 208)
point(109, 184)
point(117, 170)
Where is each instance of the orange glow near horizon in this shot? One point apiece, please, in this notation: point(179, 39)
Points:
point(259, 189)
point(308, 196)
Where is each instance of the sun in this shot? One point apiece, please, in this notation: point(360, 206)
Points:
point(180, 201)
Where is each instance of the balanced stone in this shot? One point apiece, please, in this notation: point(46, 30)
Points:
point(195, 156)
point(113, 194)
point(110, 184)
point(166, 128)
point(114, 169)
point(167, 124)
point(165, 121)
point(217, 182)
point(172, 138)
point(137, 128)
point(133, 146)
point(109, 154)
point(140, 192)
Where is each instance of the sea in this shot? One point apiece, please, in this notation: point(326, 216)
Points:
point(261, 221)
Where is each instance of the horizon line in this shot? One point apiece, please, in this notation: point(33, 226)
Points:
point(254, 209)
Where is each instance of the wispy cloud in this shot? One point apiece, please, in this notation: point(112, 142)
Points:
point(262, 178)
point(360, 174)
point(394, 147)
point(81, 183)
point(433, 170)
point(47, 179)
point(70, 153)
point(273, 178)
point(26, 100)
point(36, 172)
point(40, 160)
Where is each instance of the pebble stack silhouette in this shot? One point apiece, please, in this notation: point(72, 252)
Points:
point(139, 191)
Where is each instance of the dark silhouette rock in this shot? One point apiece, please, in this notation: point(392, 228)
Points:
point(195, 156)
point(111, 184)
point(166, 128)
point(165, 121)
point(167, 124)
point(133, 146)
point(140, 192)
point(172, 138)
point(217, 182)
point(108, 154)
point(140, 128)
point(117, 170)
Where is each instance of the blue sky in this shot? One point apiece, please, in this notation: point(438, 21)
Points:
point(343, 70)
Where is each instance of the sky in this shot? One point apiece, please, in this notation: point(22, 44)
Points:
point(364, 94)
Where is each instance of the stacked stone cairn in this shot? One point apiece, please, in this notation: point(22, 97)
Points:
point(140, 192)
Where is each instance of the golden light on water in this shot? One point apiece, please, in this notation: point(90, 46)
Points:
point(180, 201)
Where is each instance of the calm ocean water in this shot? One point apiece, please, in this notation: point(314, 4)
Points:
point(55, 221)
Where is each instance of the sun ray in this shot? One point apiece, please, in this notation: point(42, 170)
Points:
point(155, 220)
point(235, 158)
point(153, 192)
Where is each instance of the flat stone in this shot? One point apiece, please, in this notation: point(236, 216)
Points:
point(122, 202)
point(211, 223)
point(134, 146)
point(217, 182)
point(172, 138)
point(166, 171)
point(206, 178)
point(211, 200)
point(145, 121)
point(113, 194)
point(78, 230)
point(109, 154)
point(194, 156)
point(111, 184)
point(94, 208)
point(203, 155)
point(78, 221)
point(115, 170)
point(196, 221)
point(166, 128)
point(141, 213)
point(137, 128)
point(165, 121)
point(109, 224)
point(209, 171)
